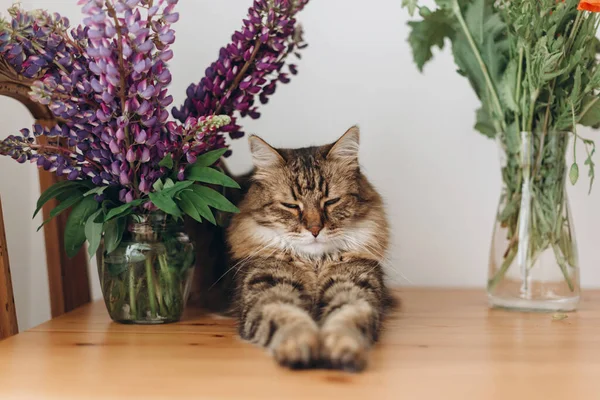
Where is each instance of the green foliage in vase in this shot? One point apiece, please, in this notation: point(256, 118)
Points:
point(534, 67)
point(175, 195)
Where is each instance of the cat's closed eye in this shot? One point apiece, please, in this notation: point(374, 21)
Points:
point(332, 202)
point(291, 206)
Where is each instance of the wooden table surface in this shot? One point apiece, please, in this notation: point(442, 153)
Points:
point(441, 344)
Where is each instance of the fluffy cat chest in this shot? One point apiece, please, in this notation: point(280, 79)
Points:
point(317, 264)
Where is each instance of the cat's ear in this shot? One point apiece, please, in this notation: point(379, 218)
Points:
point(263, 155)
point(345, 150)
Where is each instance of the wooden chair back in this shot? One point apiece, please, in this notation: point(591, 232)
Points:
point(68, 277)
point(8, 315)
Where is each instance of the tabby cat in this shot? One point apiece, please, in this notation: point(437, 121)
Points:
point(308, 247)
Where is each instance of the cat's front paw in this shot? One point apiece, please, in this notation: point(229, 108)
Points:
point(344, 349)
point(297, 346)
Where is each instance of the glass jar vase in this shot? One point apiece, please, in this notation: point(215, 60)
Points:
point(533, 262)
point(147, 278)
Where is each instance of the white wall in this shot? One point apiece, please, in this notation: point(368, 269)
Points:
point(440, 179)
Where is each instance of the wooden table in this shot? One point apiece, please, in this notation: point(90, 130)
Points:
point(441, 344)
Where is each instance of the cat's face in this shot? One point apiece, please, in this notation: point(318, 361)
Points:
point(313, 201)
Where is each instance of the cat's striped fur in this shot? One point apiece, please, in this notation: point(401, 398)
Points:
point(308, 247)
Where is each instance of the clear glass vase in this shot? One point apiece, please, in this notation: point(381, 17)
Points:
point(147, 279)
point(533, 262)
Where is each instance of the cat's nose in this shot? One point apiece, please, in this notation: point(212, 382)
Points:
point(315, 230)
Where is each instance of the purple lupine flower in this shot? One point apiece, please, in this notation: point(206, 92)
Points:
point(106, 83)
point(83, 76)
point(44, 41)
point(197, 136)
point(250, 66)
point(127, 52)
point(50, 157)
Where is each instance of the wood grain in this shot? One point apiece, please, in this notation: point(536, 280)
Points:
point(442, 344)
point(8, 314)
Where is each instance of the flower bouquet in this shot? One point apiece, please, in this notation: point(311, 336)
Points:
point(131, 172)
point(534, 66)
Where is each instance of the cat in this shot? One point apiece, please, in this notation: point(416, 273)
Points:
point(308, 247)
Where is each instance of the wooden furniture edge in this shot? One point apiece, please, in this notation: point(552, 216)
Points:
point(8, 314)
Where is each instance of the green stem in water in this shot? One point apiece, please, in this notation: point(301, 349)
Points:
point(150, 285)
point(159, 294)
point(492, 283)
point(141, 314)
point(100, 255)
point(525, 208)
point(167, 278)
point(132, 294)
point(563, 265)
point(109, 295)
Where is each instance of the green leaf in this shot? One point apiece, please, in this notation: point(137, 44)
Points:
point(176, 188)
point(591, 116)
point(200, 204)
point(75, 227)
point(122, 210)
point(447, 4)
point(475, 18)
point(492, 47)
point(165, 203)
point(166, 162)
point(208, 159)
point(93, 232)
point(113, 233)
point(411, 5)
point(186, 203)
point(508, 86)
point(215, 199)
point(64, 205)
point(574, 173)
point(428, 33)
point(594, 82)
point(512, 140)
point(158, 185)
point(211, 175)
point(54, 191)
point(509, 210)
point(484, 123)
point(589, 161)
point(468, 66)
point(98, 190)
point(168, 184)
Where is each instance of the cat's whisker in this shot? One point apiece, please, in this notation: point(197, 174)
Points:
point(268, 245)
point(242, 261)
point(385, 261)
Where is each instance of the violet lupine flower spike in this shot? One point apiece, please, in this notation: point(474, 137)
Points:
point(36, 45)
point(54, 158)
point(197, 136)
point(128, 52)
point(250, 66)
point(106, 83)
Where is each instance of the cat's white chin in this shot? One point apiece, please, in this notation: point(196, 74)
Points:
point(315, 248)
point(304, 245)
